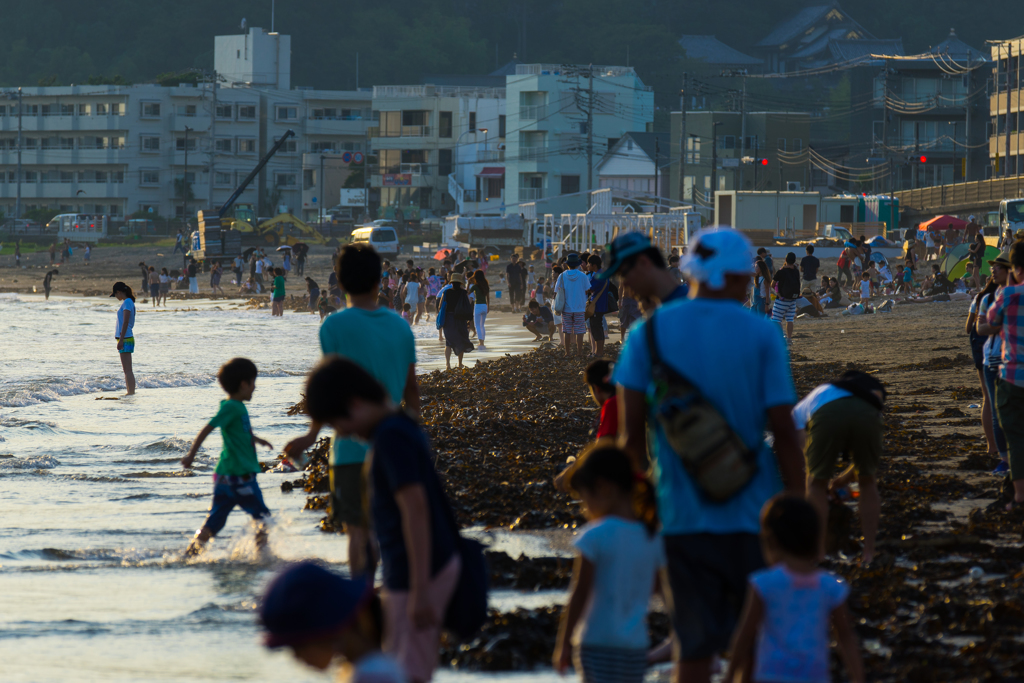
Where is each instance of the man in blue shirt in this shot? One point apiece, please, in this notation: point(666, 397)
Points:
point(599, 293)
point(740, 365)
point(641, 267)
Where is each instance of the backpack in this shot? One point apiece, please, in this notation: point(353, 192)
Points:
point(715, 457)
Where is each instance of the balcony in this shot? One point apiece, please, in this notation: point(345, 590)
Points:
point(530, 194)
point(538, 153)
point(532, 112)
point(488, 156)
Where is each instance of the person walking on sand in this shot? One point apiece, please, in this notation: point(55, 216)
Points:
point(793, 607)
point(193, 280)
point(154, 286)
point(604, 626)
point(571, 303)
point(455, 314)
point(165, 285)
point(53, 252)
point(17, 254)
point(234, 478)
point(738, 364)
point(598, 291)
point(178, 244)
point(88, 253)
point(379, 341)
point(787, 284)
point(481, 291)
point(47, 284)
point(277, 305)
point(216, 273)
point(144, 269)
point(844, 416)
point(125, 333)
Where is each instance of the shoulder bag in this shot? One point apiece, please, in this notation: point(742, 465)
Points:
point(559, 295)
point(715, 457)
point(591, 308)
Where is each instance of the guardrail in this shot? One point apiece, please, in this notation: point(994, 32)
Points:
point(945, 198)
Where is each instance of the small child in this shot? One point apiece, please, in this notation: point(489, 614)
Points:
point(531, 279)
point(598, 379)
point(323, 305)
point(407, 313)
point(234, 479)
point(319, 615)
point(783, 633)
point(866, 286)
point(617, 561)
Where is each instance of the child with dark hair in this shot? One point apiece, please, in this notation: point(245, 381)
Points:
point(604, 626)
point(234, 479)
point(321, 616)
point(784, 630)
point(598, 379)
point(277, 307)
point(411, 513)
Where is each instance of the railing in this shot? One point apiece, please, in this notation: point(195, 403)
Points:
point(531, 112)
point(944, 198)
point(414, 169)
point(470, 196)
point(490, 155)
point(530, 194)
point(415, 131)
point(532, 153)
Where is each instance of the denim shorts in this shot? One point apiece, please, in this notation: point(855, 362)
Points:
point(232, 490)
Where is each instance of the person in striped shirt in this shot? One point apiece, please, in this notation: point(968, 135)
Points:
point(1006, 315)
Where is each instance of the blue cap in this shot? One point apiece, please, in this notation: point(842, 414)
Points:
point(621, 248)
point(306, 601)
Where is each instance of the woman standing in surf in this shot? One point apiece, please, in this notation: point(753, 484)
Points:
point(124, 335)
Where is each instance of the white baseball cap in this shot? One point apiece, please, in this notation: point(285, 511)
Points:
point(716, 252)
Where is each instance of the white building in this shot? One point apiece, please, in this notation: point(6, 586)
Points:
point(121, 149)
point(433, 144)
point(636, 170)
point(547, 148)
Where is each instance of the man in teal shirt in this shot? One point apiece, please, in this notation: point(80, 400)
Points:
point(379, 341)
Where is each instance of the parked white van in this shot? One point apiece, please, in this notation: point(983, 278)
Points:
point(383, 239)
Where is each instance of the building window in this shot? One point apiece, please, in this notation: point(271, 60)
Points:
point(285, 180)
point(444, 162)
point(222, 145)
point(308, 179)
point(101, 109)
point(30, 176)
point(727, 142)
point(322, 146)
point(444, 124)
point(798, 144)
point(782, 144)
point(222, 178)
point(150, 177)
point(246, 112)
point(116, 110)
point(30, 109)
point(290, 145)
point(225, 111)
point(3, 109)
point(329, 114)
point(150, 110)
point(67, 110)
point(67, 143)
point(472, 120)
point(416, 123)
point(84, 109)
point(151, 143)
point(29, 143)
point(390, 124)
point(189, 177)
point(152, 209)
point(501, 125)
point(287, 113)
point(389, 160)
point(246, 146)
point(180, 144)
point(186, 110)
point(570, 184)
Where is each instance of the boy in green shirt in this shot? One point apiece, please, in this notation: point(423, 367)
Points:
point(234, 479)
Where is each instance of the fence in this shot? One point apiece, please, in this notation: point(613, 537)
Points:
point(947, 198)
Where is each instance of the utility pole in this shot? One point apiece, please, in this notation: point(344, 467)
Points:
point(757, 162)
point(17, 202)
point(1006, 127)
point(714, 165)
point(213, 136)
point(184, 183)
point(323, 190)
point(885, 109)
point(657, 185)
point(590, 129)
point(743, 127)
point(682, 141)
point(967, 116)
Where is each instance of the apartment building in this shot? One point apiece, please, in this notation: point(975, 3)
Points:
point(439, 149)
point(547, 146)
point(1006, 105)
point(118, 150)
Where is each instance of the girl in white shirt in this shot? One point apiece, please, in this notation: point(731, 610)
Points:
point(604, 625)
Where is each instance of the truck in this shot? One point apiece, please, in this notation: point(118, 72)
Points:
point(1011, 215)
point(487, 234)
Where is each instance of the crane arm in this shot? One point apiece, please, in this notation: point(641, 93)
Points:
point(249, 178)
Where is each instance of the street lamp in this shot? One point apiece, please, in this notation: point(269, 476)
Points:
point(457, 141)
point(184, 183)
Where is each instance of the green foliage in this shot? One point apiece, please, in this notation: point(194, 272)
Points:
point(183, 189)
point(43, 216)
point(356, 179)
point(173, 79)
point(107, 80)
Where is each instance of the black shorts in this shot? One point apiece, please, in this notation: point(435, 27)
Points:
point(347, 506)
point(514, 295)
point(705, 586)
point(978, 350)
point(596, 324)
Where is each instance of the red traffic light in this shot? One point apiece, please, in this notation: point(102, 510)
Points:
point(764, 162)
point(924, 160)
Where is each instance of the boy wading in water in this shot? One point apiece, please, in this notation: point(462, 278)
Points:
point(234, 479)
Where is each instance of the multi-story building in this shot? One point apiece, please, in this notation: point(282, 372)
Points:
point(439, 149)
point(635, 169)
point(774, 137)
point(119, 150)
point(550, 156)
point(1006, 104)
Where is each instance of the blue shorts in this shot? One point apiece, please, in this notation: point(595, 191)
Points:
point(229, 491)
point(128, 346)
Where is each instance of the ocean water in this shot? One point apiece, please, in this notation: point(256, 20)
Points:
point(96, 509)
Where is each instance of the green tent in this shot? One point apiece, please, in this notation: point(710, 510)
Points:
point(953, 257)
point(960, 269)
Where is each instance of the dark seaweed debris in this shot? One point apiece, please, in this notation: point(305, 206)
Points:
point(528, 573)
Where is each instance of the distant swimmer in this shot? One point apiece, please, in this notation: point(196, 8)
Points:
point(124, 334)
point(47, 285)
point(234, 479)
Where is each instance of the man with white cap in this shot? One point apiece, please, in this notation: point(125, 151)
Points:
point(739, 365)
